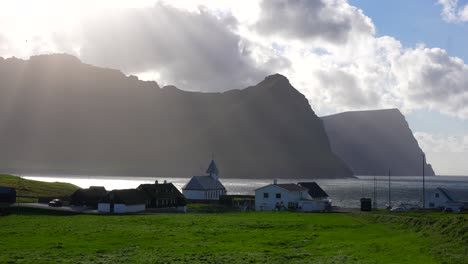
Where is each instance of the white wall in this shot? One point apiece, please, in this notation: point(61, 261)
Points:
point(269, 204)
point(203, 195)
point(312, 206)
point(121, 208)
point(103, 207)
point(432, 201)
point(194, 195)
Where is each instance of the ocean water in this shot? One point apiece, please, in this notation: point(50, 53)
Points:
point(343, 192)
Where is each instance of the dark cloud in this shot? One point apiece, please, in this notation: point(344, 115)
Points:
point(194, 51)
point(332, 20)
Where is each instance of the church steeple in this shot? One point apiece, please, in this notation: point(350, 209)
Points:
point(213, 169)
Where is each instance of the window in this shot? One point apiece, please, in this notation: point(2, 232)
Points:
point(431, 205)
point(437, 195)
point(265, 195)
point(278, 196)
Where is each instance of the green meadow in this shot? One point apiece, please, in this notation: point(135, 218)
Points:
point(34, 236)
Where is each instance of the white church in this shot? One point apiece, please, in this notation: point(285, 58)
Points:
point(207, 187)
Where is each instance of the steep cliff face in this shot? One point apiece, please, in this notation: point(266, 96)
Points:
point(58, 115)
point(372, 142)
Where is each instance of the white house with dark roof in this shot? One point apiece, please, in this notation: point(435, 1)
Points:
point(441, 198)
point(207, 187)
point(287, 196)
point(123, 201)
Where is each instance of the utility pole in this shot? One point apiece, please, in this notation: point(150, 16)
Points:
point(424, 182)
point(389, 191)
point(375, 201)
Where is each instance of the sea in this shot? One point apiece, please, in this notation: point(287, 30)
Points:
point(343, 192)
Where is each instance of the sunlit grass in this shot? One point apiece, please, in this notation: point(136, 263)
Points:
point(220, 238)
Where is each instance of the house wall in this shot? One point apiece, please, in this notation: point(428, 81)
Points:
point(269, 204)
point(203, 195)
point(121, 208)
point(432, 201)
point(103, 207)
point(312, 206)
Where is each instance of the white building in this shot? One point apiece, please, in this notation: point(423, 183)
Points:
point(440, 198)
point(206, 187)
point(123, 201)
point(288, 196)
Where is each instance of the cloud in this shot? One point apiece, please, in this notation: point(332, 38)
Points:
point(334, 21)
point(430, 78)
point(328, 50)
point(193, 50)
point(447, 154)
point(452, 12)
point(440, 144)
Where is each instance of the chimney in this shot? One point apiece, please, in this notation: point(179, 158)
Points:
point(275, 181)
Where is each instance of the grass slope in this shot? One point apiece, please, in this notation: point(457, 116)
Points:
point(33, 188)
point(216, 238)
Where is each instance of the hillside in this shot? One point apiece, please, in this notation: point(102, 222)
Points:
point(371, 142)
point(59, 115)
point(33, 188)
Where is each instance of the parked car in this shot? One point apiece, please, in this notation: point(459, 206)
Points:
point(448, 210)
point(398, 209)
point(56, 203)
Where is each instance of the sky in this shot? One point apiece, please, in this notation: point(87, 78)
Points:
point(343, 55)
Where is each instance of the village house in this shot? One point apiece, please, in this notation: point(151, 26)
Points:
point(89, 197)
point(287, 196)
point(317, 193)
point(123, 201)
point(7, 196)
point(205, 188)
point(441, 198)
point(162, 195)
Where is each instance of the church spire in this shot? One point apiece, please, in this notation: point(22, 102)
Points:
point(213, 169)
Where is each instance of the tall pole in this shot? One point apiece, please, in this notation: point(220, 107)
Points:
point(375, 201)
point(389, 191)
point(424, 182)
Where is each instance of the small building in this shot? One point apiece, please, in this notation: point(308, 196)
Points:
point(7, 196)
point(162, 195)
point(317, 193)
point(123, 201)
point(89, 197)
point(207, 187)
point(286, 196)
point(441, 198)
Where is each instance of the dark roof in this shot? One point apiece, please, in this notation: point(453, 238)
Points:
point(204, 183)
point(160, 190)
point(7, 190)
point(98, 188)
point(212, 168)
point(314, 189)
point(291, 187)
point(126, 196)
point(91, 192)
point(445, 192)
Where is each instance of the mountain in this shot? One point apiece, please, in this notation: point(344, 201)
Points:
point(59, 115)
point(372, 142)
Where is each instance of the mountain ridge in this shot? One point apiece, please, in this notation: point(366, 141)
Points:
point(61, 115)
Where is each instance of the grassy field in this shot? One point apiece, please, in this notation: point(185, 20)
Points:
point(26, 187)
point(29, 237)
